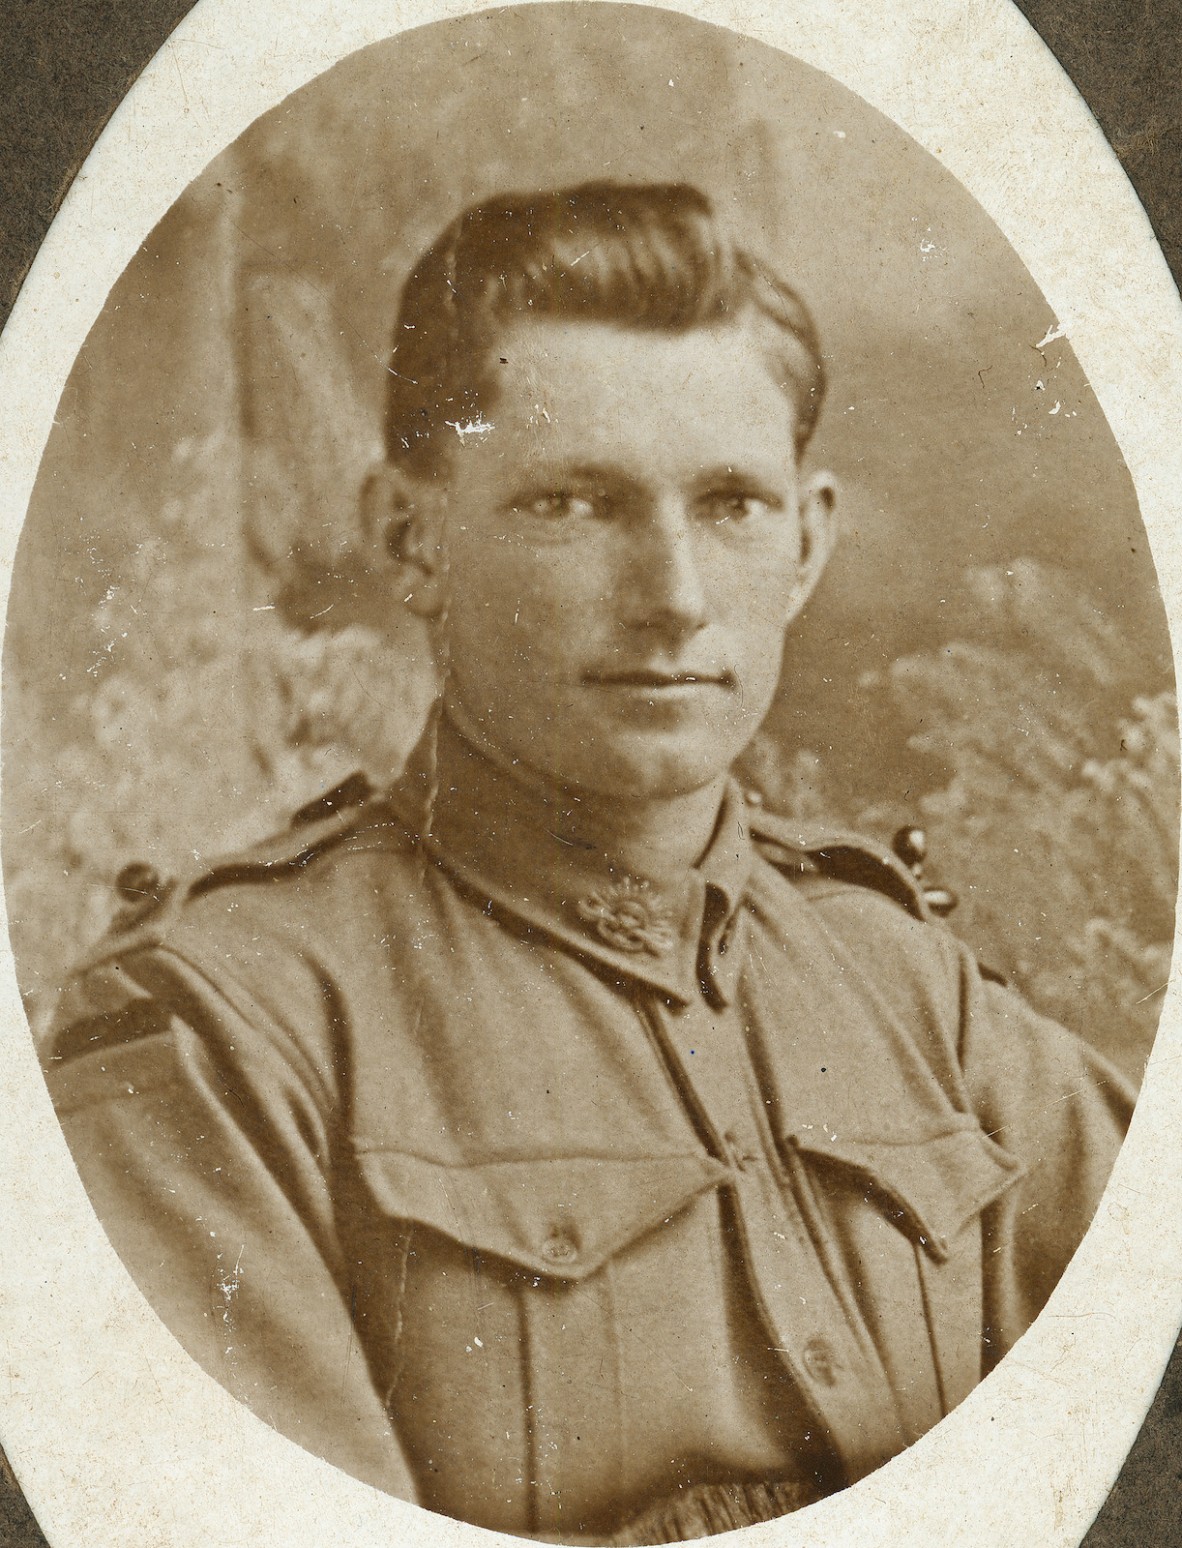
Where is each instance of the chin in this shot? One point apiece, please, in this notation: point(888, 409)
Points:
point(651, 774)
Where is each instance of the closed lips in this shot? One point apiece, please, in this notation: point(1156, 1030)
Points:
point(653, 679)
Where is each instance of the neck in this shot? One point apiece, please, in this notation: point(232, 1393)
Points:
point(655, 836)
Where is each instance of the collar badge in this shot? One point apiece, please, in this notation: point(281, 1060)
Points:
point(629, 916)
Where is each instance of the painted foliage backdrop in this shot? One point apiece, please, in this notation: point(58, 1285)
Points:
point(196, 646)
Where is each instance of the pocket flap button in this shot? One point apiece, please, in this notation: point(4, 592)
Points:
point(559, 1247)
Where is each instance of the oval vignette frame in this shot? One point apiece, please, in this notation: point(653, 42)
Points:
point(156, 1451)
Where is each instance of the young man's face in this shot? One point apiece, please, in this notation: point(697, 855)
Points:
point(624, 548)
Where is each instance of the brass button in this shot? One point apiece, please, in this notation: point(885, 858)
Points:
point(821, 1362)
point(560, 1247)
point(139, 882)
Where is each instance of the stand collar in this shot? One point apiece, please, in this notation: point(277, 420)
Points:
point(517, 848)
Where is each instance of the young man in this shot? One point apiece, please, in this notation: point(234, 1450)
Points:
point(558, 1140)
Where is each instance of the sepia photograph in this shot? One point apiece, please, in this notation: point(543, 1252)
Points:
point(591, 777)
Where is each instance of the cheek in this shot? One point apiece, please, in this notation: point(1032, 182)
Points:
point(760, 609)
point(512, 611)
point(760, 590)
point(486, 584)
point(533, 580)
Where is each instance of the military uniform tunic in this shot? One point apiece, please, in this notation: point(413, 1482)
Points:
point(535, 1192)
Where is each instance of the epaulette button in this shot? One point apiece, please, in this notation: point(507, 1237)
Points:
point(139, 882)
point(910, 845)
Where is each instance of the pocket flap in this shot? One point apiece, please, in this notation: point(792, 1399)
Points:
point(933, 1187)
point(563, 1217)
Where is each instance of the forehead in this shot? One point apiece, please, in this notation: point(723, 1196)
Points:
point(572, 391)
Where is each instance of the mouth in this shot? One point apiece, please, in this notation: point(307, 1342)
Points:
point(659, 679)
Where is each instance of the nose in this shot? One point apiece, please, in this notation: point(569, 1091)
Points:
point(666, 584)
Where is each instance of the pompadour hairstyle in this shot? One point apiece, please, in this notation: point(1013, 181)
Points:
point(653, 256)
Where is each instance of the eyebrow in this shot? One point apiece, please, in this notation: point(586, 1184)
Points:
point(728, 473)
point(573, 471)
point(612, 476)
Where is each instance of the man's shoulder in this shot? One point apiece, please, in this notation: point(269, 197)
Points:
point(832, 863)
point(868, 915)
point(261, 929)
point(327, 847)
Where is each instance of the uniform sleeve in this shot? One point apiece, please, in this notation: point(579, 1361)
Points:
point(206, 1136)
point(1061, 1110)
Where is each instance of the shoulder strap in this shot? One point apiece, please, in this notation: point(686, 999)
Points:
point(802, 850)
point(805, 849)
point(149, 902)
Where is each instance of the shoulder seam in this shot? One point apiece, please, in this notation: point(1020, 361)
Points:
point(335, 833)
point(846, 859)
point(269, 861)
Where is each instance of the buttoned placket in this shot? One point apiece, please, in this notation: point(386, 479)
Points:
point(806, 1304)
point(689, 998)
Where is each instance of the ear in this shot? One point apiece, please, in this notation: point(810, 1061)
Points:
point(818, 532)
point(402, 519)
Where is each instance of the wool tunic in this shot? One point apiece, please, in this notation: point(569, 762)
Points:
point(537, 1192)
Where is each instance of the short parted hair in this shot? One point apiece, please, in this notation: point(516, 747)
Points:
point(652, 256)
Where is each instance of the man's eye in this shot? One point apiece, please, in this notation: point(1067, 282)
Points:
point(559, 506)
point(739, 505)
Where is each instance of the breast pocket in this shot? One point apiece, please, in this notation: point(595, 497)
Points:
point(487, 1306)
point(906, 1219)
point(555, 1218)
point(931, 1188)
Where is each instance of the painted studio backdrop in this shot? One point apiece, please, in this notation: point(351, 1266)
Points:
point(196, 646)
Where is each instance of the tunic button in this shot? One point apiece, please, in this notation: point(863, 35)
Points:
point(138, 882)
point(821, 1362)
point(559, 1247)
